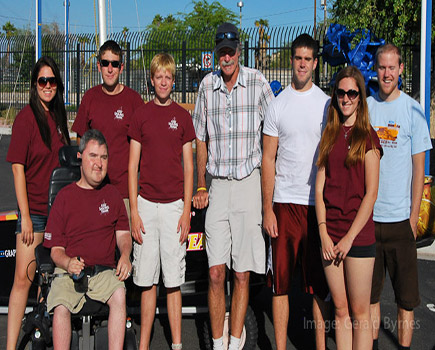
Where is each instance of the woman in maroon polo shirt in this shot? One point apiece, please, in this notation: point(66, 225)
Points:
point(346, 190)
point(39, 131)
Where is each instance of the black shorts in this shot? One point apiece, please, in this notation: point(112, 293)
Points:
point(397, 252)
point(365, 251)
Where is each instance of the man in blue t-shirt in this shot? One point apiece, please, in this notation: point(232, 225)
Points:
point(403, 132)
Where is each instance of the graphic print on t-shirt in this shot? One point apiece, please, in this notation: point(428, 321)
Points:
point(173, 125)
point(104, 208)
point(388, 134)
point(119, 114)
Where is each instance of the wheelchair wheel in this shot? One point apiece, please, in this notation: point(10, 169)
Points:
point(249, 335)
point(33, 341)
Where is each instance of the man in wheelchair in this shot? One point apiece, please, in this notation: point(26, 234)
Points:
point(86, 222)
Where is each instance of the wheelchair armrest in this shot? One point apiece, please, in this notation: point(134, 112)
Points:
point(43, 259)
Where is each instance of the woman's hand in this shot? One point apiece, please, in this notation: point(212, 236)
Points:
point(327, 247)
point(342, 247)
point(27, 235)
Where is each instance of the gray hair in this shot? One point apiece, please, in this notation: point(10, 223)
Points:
point(92, 134)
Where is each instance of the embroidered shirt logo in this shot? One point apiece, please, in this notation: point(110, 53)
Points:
point(47, 236)
point(173, 124)
point(119, 114)
point(104, 208)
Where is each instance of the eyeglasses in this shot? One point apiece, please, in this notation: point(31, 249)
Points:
point(229, 35)
point(42, 81)
point(352, 94)
point(105, 63)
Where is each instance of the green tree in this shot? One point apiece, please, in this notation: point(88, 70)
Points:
point(393, 19)
point(167, 33)
point(10, 30)
point(207, 16)
point(24, 53)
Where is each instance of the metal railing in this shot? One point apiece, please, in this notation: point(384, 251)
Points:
point(267, 49)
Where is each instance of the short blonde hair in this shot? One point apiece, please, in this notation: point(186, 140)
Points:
point(163, 61)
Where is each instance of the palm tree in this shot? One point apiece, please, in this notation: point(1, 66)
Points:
point(124, 34)
point(263, 41)
point(10, 30)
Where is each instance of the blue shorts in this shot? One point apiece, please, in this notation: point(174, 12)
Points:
point(39, 222)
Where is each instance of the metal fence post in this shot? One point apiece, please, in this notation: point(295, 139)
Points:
point(127, 64)
point(246, 53)
point(78, 77)
point(183, 72)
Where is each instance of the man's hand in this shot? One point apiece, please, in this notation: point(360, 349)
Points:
point(200, 199)
point(75, 265)
point(137, 227)
point(184, 226)
point(413, 221)
point(270, 224)
point(123, 270)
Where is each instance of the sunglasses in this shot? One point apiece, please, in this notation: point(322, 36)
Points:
point(228, 35)
point(352, 94)
point(115, 64)
point(42, 81)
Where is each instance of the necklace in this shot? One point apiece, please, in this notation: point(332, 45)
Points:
point(346, 132)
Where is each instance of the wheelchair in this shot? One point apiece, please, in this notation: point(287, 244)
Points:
point(89, 326)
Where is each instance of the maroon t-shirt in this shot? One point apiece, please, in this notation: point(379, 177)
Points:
point(27, 148)
point(84, 221)
point(344, 191)
point(111, 115)
point(162, 131)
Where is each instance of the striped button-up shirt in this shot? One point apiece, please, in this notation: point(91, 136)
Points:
point(232, 122)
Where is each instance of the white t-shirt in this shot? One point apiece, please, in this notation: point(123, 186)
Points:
point(297, 119)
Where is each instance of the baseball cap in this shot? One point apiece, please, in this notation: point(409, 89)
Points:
point(227, 35)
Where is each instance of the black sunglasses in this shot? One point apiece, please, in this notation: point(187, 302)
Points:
point(229, 35)
point(105, 63)
point(352, 94)
point(42, 81)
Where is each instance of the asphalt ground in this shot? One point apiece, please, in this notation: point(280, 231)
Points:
point(300, 334)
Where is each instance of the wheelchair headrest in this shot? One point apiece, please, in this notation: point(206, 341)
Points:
point(68, 156)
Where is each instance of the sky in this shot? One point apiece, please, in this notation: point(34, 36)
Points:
point(123, 13)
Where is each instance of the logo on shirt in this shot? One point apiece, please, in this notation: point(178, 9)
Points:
point(388, 134)
point(119, 114)
point(173, 125)
point(47, 236)
point(104, 208)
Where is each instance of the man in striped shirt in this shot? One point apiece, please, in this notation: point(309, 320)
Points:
point(228, 121)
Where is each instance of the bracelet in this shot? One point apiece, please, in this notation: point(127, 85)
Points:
point(321, 223)
point(201, 189)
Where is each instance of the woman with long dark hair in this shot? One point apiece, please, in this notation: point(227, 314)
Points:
point(346, 190)
point(39, 131)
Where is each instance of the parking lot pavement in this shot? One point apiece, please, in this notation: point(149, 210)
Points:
point(300, 336)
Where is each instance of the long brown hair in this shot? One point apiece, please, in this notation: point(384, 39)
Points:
point(56, 105)
point(361, 129)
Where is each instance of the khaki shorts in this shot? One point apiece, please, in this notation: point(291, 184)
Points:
point(233, 224)
point(396, 252)
point(161, 245)
point(100, 288)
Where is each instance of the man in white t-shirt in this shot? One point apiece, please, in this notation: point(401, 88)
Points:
point(294, 120)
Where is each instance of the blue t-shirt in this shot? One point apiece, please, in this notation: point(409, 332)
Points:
point(402, 130)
